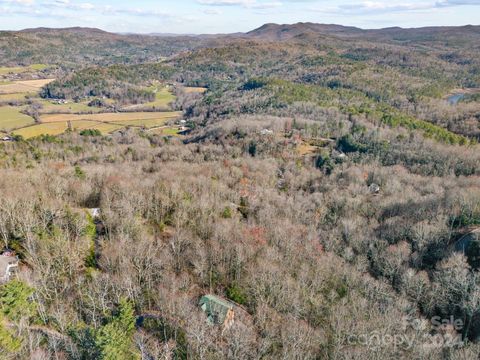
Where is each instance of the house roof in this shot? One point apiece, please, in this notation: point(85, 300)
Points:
point(5, 261)
point(216, 308)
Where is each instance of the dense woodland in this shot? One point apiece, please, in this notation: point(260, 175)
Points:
point(323, 188)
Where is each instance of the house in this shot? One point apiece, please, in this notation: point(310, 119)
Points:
point(7, 138)
point(8, 264)
point(60, 101)
point(374, 188)
point(219, 311)
point(96, 217)
point(94, 213)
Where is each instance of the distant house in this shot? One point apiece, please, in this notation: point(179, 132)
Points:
point(8, 264)
point(374, 188)
point(7, 138)
point(60, 101)
point(219, 311)
point(94, 213)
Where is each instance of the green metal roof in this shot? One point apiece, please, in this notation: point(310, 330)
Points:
point(215, 307)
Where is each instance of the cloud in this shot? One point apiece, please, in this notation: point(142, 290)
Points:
point(70, 9)
point(450, 3)
point(269, 5)
point(383, 6)
point(251, 4)
point(227, 2)
point(212, 12)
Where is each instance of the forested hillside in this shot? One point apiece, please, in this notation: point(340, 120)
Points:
point(82, 46)
point(326, 187)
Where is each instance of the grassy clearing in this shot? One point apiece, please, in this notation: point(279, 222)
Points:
point(111, 117)
point(70, 108)
point(16, 88)
point(24, 86)
point(104, 128)
point(147, 123)
point(40, 129)
point(22, 69)
point(170, 131)
point(12, 70)
point(37, 84)
point(14, 97)
point(38, 67)
point(163, 99)
point(11, 118)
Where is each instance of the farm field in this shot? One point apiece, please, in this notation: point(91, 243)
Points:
point(23, 86)
point(14, 97)
point(98, 122)
point(56, 118)
point(111, 117)
point(36, 130)
point(11, 118)
point(20, 70)
point(51, 108)
point(103, 127)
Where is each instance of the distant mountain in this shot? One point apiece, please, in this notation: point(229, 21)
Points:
point(71, 30)
point(284, 32)
point(84, 46)
point(89, 46)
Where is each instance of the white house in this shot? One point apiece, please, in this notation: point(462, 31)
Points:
point(8, 264)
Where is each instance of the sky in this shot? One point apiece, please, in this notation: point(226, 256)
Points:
point(228, 16)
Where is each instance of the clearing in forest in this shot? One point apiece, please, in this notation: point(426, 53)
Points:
point(49, 107)
point(11, 118)
point(22, 69)
point(24, 86)
point(163, 98)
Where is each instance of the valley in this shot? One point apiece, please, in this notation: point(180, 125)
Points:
point(24, 113)
point(302, 191)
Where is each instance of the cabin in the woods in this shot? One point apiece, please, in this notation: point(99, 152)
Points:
point(219, 311)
